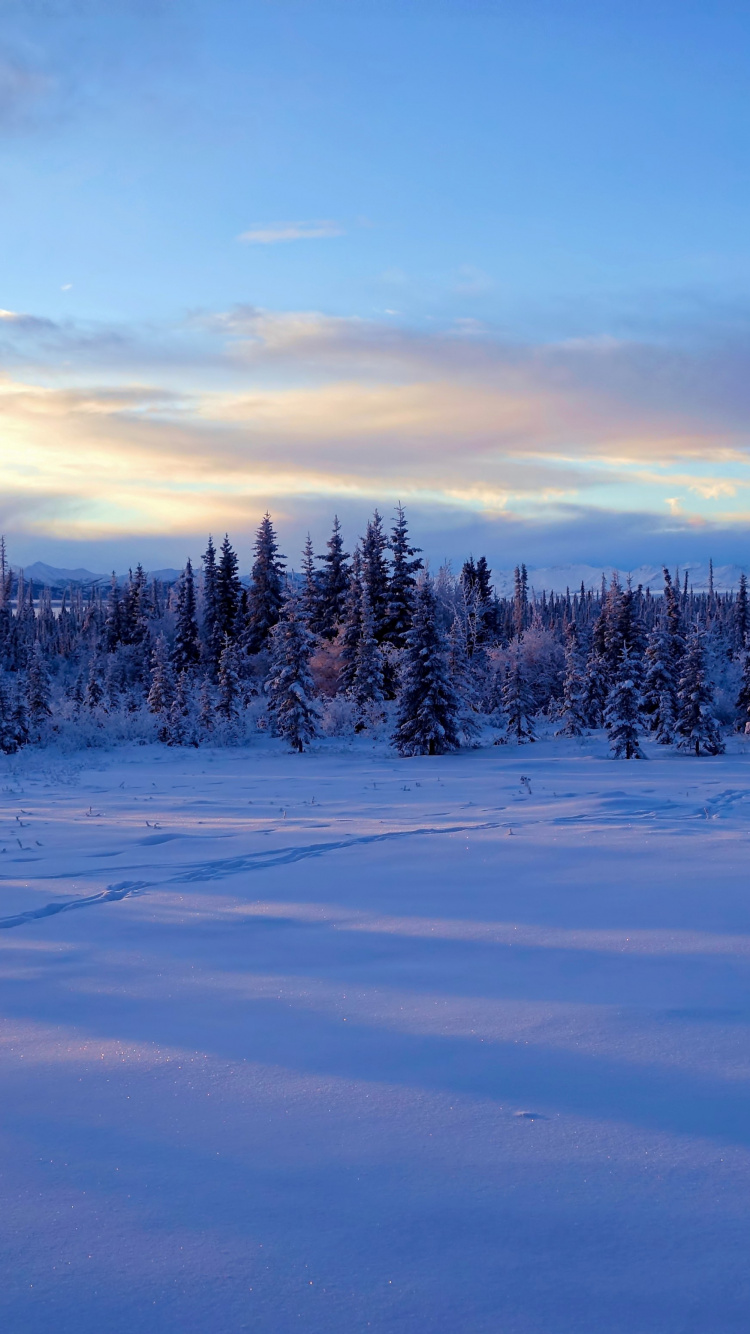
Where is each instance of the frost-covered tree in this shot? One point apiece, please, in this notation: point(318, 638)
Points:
point(366, 690)
point(210, 636)
point(428, 717)
point(229, 693)
point(93, 695)
point(180, 731)
point(206, 720)
point(660, 684)
point(37, 691)
point(572, 709)
point(463, 679)
point(697, 728)
point(186, 650)
point(595, 686)
point(405, 563)
point(622, 716)
point(290, 688)
point(518, 700)
point(161, 691)
point(351, 629)
point(375, 573)
point(13, 722)
point(742, 703)
point(310, 591)
point(333, 585)
point(266, 588)
point(228, 589)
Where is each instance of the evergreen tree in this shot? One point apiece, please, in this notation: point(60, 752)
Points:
point(520, 600)
point(352, 625)
point(741, 623)
point(161, 693)
point(743, 697)
point(37, 690)
point(211, 638)
point(333, 586)
point(179, 727)
point(94, 692)
point(402, 583)
point(697, 728)
point(11, 737)
point(229, 696)
point(113, 621)
point(375, 573)
point(622, 715)
point(518, 701)
point(228, 590)
point(266, 589)
point(463, 678)
point(290, 686)
point(660, 685)
point(428, 707)
point(186, 650)
point(573, 711)
point(366, 690)
point(310, 591)
point(206, 711)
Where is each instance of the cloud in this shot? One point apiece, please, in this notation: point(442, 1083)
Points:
point(272, 233)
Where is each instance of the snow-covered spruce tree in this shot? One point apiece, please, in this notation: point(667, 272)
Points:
point(13, 724)
point(266, 588)
point(180, 729)
point(294, 715)
point(463, 679)
point(352, 625)
point(228, 590)
point(660, 685)
point(161, 693)
point(741, 620)
point(210, 637)
point(93, 695)
point(742, 702)
point(186, 650)
point(622, 716)
point(572, 709)
point(366, 690)
point(206, 720)
point(37, 692)
point(405, 563)
point(697, 728)
point(310, 591)
point(333, 586)
point(375, 573)
point(428, 717)
point(518, 701)
point(229, 697)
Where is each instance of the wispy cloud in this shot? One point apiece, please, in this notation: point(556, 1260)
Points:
point(272, 233)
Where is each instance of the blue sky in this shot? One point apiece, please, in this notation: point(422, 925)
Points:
point(492, 259)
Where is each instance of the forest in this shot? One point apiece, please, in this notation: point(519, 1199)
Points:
point(369, 642)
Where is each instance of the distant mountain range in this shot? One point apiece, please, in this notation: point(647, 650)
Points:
point(551, 579)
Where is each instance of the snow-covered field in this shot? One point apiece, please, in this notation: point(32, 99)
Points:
point(359, 1043)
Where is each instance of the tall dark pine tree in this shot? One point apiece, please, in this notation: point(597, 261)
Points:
point(520, 599)
point(518, 701)
point(113, 621)
point(310, 591)
point(228, 589)
point(290, 686)
point(742, 703)
point(697, 728)
point(366, 690)
point(572, 711)
point(405, 563)
point(186, 650)
point(352, 624)
point(333, 585)
point(375, 573)
point(266, 589)
point(741, 623)
point(429, 709)
point(210, 637)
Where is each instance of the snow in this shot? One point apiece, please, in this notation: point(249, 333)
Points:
point(340, 1042)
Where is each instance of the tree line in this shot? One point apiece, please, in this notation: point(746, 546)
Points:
point(368, 641)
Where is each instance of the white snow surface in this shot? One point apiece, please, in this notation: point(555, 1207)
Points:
point(341, 1042)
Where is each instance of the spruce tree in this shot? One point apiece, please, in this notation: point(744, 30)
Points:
point(428, 715)
point(266, 588)
point(333, 586)
point(186, 650)
point(352, 625)
point(622, 716)
point(290, 687)
point(229, 695)
point(660, 684)
point(741, 623)
point(697, 728)
point(228, 589)
point(37, 691)
point(402, 582)
point(375, 573)
point(310, 592)
point(93, 695)
point(161, 692)
point(366, 690)
point(10, 740)
point(742, 703)
point(206, 709)
point(572, 709)
point(113, 621)
point(518, 701)
point(179, 726)
point(210, 636)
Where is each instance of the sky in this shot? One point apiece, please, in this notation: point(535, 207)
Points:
point(491, 260)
